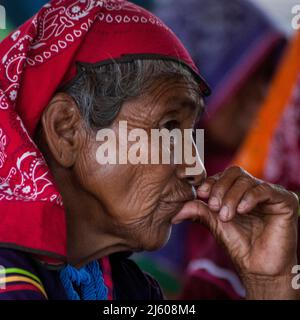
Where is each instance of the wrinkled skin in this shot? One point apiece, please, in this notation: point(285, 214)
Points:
point(257, 223)
point(120, 207)
point(113, 208)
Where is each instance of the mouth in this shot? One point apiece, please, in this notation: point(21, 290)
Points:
point(176, 203)
point(187, 196)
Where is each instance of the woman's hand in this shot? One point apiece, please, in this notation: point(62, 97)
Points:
point(257, 223)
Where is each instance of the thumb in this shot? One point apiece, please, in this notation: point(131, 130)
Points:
point(196, 210)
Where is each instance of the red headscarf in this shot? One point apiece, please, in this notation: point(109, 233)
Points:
point(35, 60)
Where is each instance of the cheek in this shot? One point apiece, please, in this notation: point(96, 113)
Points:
point(130, 197)
point(129, 193)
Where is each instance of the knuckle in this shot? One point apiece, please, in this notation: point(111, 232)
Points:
point(235, 170)
point(264, 187)
point(294, 200)
point(295, 197)
point(217, 176)
point(218, 189)
point(245, 180)
point(209, 183)
point(211, 180)
point(250, 195)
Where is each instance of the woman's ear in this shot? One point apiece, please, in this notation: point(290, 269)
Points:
point(63, 129)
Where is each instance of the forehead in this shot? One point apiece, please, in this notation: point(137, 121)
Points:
point(163, 95)
point(177, 86)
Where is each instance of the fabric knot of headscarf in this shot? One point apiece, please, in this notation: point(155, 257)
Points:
point(88, 280)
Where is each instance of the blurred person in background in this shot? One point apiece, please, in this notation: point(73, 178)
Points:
point(237, 46)
point(271, 149)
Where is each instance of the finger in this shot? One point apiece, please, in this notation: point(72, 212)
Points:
point(234, 195)
point(274, 197)
point(197, 211)
point(220, 187)
point(204, 190)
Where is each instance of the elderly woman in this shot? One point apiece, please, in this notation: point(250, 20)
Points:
point(68, 224)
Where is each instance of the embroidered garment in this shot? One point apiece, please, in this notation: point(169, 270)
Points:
point(88, 280)
point(24, 278)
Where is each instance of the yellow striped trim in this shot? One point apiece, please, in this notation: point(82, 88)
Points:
point(23, 279)
point(21, 272)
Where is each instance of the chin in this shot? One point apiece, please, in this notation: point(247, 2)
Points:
point(158, 239)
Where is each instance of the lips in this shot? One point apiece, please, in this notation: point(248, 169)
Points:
point(190, 196)
point(176, 203)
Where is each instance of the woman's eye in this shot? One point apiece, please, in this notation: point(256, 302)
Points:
point(172, 124)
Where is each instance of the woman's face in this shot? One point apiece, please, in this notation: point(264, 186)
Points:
point(138, 201)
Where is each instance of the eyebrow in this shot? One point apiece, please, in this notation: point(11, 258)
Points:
point(176, 103)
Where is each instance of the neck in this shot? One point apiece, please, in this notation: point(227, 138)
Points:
point(89, 235)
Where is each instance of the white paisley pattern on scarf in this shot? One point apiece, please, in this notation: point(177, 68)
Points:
point(57, 20)
point(24, 182)
point(3, 142)
point(52, 31)
point(50, 25)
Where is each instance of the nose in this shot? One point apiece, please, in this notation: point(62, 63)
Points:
point(192, 170)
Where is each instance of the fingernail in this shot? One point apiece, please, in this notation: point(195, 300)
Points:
point(242, 205)
point(214, 202)
point(204, 187)
point(224, 213)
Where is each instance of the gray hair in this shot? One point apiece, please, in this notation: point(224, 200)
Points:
point(100, 90)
